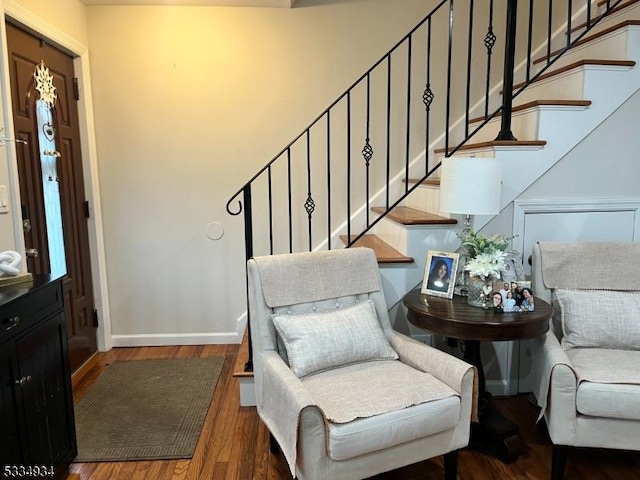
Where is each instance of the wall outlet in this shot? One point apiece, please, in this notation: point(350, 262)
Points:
point(423, 338)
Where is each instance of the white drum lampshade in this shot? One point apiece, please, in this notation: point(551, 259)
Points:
point(470, 185)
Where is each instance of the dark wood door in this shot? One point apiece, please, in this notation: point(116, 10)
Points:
point(54, 213)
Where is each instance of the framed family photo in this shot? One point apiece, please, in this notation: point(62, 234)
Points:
point(440, 274)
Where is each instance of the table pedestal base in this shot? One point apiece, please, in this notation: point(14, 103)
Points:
point(495, 434)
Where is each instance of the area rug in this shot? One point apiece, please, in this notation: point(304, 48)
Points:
point(146, 409)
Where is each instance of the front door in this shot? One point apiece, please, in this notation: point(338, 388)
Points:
point(54, 211)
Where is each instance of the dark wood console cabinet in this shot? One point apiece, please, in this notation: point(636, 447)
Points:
point(37, 427)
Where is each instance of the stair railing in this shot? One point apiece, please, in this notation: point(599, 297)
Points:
point(386, 134)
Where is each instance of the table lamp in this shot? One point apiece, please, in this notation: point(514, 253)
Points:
point(470, 186)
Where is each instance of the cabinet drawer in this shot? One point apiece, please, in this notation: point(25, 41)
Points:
point(26, 310)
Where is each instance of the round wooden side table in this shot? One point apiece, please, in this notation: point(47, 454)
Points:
point(493, 433)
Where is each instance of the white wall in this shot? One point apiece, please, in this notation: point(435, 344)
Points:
point(605, 164)
point(188, 105)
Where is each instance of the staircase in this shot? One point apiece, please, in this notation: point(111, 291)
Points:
point(549, 117)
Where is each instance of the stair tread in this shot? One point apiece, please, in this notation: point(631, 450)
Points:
point(540, 103)
point(498, 143)
point(413, 216)
point(589, 38)
point(433, 182)
point(385, 253)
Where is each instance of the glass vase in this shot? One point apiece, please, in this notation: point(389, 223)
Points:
point(479, 291)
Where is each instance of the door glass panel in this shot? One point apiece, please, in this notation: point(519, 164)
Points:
point(51, 186)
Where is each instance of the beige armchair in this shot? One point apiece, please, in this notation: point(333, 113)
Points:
point(344, 395)
point(586, 370)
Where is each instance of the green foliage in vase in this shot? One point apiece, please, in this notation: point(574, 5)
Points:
point(486, 254)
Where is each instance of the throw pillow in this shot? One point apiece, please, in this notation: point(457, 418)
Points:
point(319, 341)
point(599, 318)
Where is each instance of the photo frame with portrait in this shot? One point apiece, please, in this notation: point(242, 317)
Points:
point(513, 297)
point(440, 270)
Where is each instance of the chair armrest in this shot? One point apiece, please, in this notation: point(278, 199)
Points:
point(549, 359)
point(280, 399)
point(445, 367)
point(456, 373)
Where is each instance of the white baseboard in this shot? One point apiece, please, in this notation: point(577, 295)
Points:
point(167, 339)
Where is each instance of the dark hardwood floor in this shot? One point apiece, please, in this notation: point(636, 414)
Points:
point(234, 444)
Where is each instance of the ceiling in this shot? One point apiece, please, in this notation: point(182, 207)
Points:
point(212, 3)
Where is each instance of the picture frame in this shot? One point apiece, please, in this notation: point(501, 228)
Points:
point(434, 282)
point(513, 298)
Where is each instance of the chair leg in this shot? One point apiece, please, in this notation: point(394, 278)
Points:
point(451, 465)
point(274, 447)
point(558, 461)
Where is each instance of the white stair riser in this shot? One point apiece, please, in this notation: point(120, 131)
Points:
point(525, 124)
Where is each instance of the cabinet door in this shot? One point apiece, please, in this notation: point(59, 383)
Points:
point(46, 393)
point(10, 442)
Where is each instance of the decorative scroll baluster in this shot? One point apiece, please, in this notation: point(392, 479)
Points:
point(367, 150)
point(309, 205)
point(427, 98)
point(489, 42)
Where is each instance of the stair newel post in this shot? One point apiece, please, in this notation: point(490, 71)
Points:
point(248, 245)
point(509, 62)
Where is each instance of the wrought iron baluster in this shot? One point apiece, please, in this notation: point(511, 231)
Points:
point(529, 41)
point(270, 194)
point(408, 126)
point(427, 99)
point(309, 204)
point(549, 26)
point(469, 53)
point(349, 168)
point(569, 10)
point(367, 150)
point(329, 179)
point(489, 42)
point(388, 129)
point(290, 200)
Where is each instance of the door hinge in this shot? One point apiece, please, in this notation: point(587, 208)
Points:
point(87, 210)
point(95, 318)
point(76, 89)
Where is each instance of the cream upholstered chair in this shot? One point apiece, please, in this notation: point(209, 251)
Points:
point(586, 370)
point(344, 395)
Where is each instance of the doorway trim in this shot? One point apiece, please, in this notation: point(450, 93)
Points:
point(89, 154)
